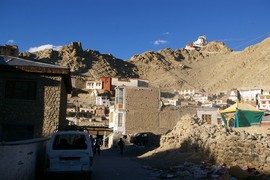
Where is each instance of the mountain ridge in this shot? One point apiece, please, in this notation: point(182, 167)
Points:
point(213, 68)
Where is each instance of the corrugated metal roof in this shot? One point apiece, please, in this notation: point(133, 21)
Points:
point(9, 63)
point(15, 61)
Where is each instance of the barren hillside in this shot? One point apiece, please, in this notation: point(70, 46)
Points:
point(213, 68)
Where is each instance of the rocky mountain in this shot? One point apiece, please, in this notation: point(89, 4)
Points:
point(84, 62)
point(213, 68)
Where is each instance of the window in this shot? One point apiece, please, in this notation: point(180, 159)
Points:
point(119, 96)
point(219, 121)
point(98, 84)
point(207, 118)
point(21, 89)
point(120, 120)
point(69, 141)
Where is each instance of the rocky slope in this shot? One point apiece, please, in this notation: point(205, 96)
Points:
point(213, 68)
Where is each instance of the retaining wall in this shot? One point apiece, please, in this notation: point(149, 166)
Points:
point(24, 160)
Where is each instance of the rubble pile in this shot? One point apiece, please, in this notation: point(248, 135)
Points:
point(190, 171)
point(219, 145)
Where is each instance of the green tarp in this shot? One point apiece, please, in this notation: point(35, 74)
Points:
point(248, 118)
point(244, 118)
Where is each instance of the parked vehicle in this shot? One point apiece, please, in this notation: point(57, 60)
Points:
point(140, 139)
point(70, 151)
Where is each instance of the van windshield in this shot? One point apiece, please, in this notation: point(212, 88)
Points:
point(69, 142)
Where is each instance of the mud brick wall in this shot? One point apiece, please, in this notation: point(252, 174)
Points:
point(142, 107)
point(144, 114)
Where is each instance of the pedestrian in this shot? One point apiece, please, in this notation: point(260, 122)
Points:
point(92, 141)
point(106, 142)
point(97, 145)
point(121, 145)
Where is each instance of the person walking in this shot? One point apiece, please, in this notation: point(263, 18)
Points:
point(121, 145)
point(98, 143)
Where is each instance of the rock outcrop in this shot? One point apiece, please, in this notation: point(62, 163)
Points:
point(87, 62)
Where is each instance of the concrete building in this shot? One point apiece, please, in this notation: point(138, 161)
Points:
point(186, 92)
point(250, 94)
point(232, 95)
point(103, 101)
point(33, 98)
point(94, 84)
point(173, 102)
point(263, 102)
point(109, 84)
point(221, 102)
point(129, 82)
point(200, 98)
point(209, 115)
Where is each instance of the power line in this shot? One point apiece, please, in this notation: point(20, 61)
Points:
point(268, 33)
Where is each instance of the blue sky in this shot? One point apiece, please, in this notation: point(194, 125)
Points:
point(124, 28)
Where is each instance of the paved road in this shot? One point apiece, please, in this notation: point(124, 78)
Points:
point(111, 165)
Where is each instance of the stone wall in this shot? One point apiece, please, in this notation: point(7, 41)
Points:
point(219, 144)
point(43, 113)
point(55, 99)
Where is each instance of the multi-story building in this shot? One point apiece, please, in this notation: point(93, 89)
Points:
point(250, 94)
point(33, 98)
point(263, 102)
point(186, 92)
point(232, 95)
point(132, 109)
point(94, 84)
point(108, 83)
point(103, 101)
point(200, 98)
point(129, 82)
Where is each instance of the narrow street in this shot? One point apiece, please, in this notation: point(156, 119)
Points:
point(111, 165)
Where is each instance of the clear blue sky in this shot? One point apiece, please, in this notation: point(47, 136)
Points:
point(128, 27)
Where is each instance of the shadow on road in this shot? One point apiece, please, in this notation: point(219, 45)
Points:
point(110, 164)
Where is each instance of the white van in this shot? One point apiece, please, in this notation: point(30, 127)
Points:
point(69, 151)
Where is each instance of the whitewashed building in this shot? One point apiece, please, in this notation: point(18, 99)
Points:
point(103, 101)
point(94, 84)
point(209, 115)
point(232, 95)
point(200, 98)
point(250, 94)
point(185, 92)
point(263, 102)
